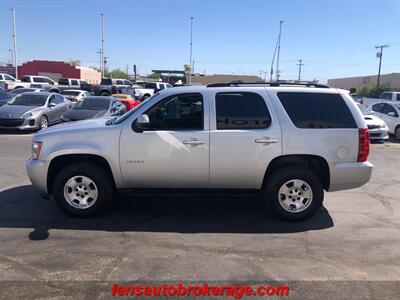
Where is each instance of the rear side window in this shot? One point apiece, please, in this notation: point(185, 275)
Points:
point(241, 111)
point(63, 81)
point(317, 110)
point(378, 107)
point(25, 79)
point(106, 81)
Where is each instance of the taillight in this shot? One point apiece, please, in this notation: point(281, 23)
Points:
point(363, 144)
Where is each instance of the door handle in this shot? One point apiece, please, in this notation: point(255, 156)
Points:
point(265, 141)
point(193, 142)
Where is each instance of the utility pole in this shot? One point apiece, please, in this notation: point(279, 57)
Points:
point(279, 50)
point(379, 54)
point(101, 60)
point(105, 64)
point(191, 44)
point(300, 64)
point(11, 57)
point(15, 43)
point(102, 46)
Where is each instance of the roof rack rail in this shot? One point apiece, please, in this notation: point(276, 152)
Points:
point(240, 83)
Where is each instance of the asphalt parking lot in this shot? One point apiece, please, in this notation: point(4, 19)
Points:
point(356, 238)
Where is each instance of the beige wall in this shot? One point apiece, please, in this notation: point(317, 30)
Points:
point(90, 75)
point(392, 81)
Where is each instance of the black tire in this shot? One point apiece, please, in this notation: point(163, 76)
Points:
point(43, 120)
point(105, 94)
point(397, 132)
point(285, 174)
point(146, 96)
point(95, 173)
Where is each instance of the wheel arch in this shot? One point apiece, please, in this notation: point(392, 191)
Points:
point(59, 162)
point(315, 163)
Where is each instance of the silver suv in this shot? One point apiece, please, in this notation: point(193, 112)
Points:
point(291, 142)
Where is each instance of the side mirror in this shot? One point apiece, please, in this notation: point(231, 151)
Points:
point(372, 112)
point(51, 105)
point(392, 114)
point(141, 123)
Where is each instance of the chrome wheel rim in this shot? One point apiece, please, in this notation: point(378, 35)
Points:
point(43, 122)
point(295, 195)
point(80, 192)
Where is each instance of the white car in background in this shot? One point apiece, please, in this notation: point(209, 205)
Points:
point(75, 95)
point(378, 130)
point(388, 111)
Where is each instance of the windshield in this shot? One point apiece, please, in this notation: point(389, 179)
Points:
point(364, 110)
point(70, 93)
point(129, 113)
point(18, 91)
point(28, 100)
point(397, 105)
point(93, 104)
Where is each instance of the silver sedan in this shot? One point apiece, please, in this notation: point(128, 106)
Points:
point(33, 110)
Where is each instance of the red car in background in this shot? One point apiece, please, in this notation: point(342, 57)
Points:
point(127, 100)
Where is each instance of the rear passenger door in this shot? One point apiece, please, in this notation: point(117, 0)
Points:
point(244, 137)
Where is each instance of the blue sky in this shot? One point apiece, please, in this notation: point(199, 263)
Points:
point(333, 38)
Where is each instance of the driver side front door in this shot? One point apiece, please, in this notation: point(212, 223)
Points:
point(173, 152)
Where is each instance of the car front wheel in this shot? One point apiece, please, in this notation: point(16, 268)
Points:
point(82, 190)
point(294, 193)
point(43, 122)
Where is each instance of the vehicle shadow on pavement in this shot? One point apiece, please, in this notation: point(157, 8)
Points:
point(22, 207)
point(16, 132)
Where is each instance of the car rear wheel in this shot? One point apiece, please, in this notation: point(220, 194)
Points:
point(146, 96)
point(104, 94)
point(294, 193)
point(43, 122)
point(82, 190)
point(397, 132)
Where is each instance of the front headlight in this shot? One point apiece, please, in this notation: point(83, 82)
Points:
point(383, 125)
point(30, 114)
point(36, 147)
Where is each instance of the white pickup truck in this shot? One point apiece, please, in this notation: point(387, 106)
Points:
point(5, 78)
point(388, 95)
point(29, 81)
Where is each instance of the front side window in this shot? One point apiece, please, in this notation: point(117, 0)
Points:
point(119, 82)
point(8, 77)
point(150, 85)
point(74, 82)
point(63, 81)
point(177, 112)
point(390, 109)
point(241, 111)
point(378, 107)
point(317, 110)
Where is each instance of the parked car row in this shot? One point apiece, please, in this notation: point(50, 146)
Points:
point(39, 109)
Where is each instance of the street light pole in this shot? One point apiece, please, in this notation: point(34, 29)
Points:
point(379, 54)
point(15, 44)
point(279, 50)
point(11, 57)
point(191, 44)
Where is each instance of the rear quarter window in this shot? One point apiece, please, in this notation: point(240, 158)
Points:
point(317, 110)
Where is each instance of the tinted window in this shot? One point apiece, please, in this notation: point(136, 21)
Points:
point(150, 85)
point(126, 82)
point(119, 82)
point(38, 79)
point(84, 82)
point(29, 100)
point(386, 96)
point(241, 111)
point(161, 86)
point(378, 107)
point(63, 81)
point(363, 110)
point(317, 110)
point(59, 99)
point(70, 93)
point(93, 103)
point(178, 112)
point(398, 97)
point(74, 82)
point(390, 109)
point(25, 79)
point(106, 81)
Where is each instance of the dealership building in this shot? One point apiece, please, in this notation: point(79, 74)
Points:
point(59, 69)
point(391, 81)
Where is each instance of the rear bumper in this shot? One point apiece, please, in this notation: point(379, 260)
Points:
point(37, 173)
point(349, 175)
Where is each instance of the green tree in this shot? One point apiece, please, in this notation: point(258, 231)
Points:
point(187, 68)
point(74, 62)
point(116, 73)
point(371, 91)
point(154, 76)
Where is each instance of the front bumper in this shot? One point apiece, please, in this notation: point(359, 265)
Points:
point(379, 134)
point(21, 124)
point(349, 175)
point(37, 173)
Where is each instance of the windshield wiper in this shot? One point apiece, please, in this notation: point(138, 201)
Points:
point(111, 121)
